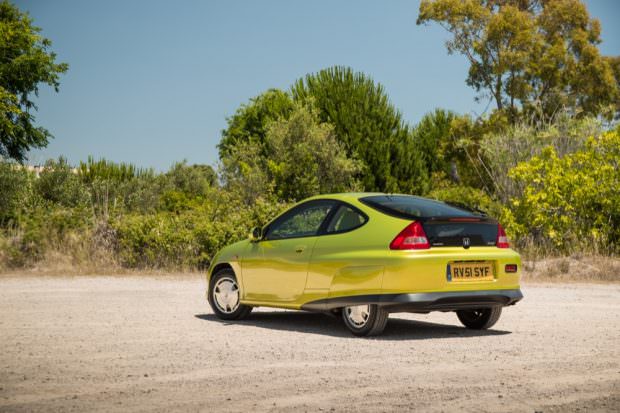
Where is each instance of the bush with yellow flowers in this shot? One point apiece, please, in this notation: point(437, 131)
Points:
point(570, 203)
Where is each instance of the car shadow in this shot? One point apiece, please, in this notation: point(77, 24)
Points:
point(317, 323)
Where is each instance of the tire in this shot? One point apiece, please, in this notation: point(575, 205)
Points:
point(365, 320)
point(479, 319)
point(224, 296)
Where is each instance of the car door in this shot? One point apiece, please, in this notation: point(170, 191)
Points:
point(344, 257)
point(275, 268)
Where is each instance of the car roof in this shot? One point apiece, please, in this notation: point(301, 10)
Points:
point(345, 195)
point(348, 196)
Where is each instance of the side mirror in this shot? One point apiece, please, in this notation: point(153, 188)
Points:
point(256, 234)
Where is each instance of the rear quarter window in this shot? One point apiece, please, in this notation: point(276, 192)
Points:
point(346, 219)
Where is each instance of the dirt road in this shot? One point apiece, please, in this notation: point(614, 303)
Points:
point(146, 344)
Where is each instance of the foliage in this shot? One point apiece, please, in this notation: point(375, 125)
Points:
point(542, 163)
point(158, 240)
point(614, 63)
point(25, 62)
point(364, 122)
point(124, 186)
point(500, 151)
point(13, 191)
point(305, 158)
point(469, 197)
point(193, 180)
point(243, 174)
point(539, 56)
point(433, 138)
point(93, 170)
point(571, 202)
point(457, 141)
point(302, 158)
point(564, 195)
point(249, 123)
point(189, 235)
point(59, 183)
point(117, 186)
point(368, 126)
point(43, 228)
point(177, 219)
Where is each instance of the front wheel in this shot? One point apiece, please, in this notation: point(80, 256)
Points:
point(224, 296)
point(479, 319)
point(365, 320)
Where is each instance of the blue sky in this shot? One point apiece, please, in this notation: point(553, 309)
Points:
point(152, 82)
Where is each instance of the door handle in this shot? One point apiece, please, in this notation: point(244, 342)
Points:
point(300, 248)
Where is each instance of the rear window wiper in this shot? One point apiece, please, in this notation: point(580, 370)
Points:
point(467, 207)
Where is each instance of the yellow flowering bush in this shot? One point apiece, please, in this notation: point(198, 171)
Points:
point(572, 202)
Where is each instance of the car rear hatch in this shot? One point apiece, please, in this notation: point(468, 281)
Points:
point(460, 231)
point(445, 247)
point(444, 224)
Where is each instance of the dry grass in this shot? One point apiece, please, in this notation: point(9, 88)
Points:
point(79, 258)
point(82, 260)
point(591, 268)
point(60, 269)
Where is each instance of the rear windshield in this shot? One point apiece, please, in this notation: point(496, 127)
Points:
point(412, 207)
point(451, 234)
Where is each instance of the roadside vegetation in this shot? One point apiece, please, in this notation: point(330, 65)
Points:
point(545, 160)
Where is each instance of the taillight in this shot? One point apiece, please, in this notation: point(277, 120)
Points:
point(411, 238)
point(502, 239)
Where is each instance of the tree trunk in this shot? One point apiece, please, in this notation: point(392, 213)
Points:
point(454, 173)
point(498, 93)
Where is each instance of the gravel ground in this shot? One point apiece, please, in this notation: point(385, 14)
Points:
point(152, 344)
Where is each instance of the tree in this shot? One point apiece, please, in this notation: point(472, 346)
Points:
point(25, 62)
point(302, 158)
point(368, 126)
point(250, 121)
point(614, 62)
point(433, 138)
point(532, 55)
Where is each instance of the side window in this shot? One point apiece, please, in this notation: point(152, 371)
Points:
point(304, 221)
point(345, 219)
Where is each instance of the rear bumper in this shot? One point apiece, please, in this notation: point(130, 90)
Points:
point(422, 302)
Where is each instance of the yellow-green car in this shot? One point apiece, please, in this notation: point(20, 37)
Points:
point(366, 255)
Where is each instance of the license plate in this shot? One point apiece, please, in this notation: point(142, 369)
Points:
point(470, 271)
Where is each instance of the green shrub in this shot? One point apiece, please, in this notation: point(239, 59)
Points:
point(59, 183)
point(14, 190)
point(117, 187)
point(42, 229)
point(156, 240)
point(187, 233)
point(193, 180)
point(558, 192)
